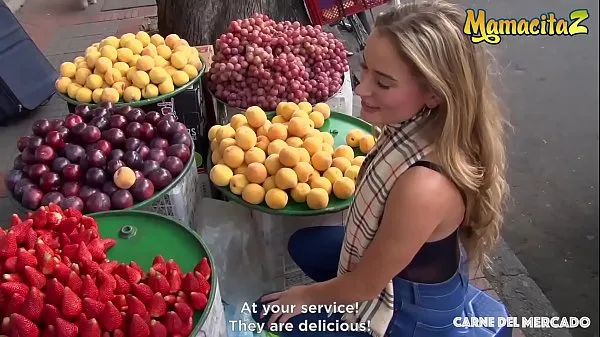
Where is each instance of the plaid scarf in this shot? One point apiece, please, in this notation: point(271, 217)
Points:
point(397, 148)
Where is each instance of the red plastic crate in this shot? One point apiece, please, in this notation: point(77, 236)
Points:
point(324, 12)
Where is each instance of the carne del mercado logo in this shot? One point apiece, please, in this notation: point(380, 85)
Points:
point(480, 28)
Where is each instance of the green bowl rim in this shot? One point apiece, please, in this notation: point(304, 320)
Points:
point(214, 279)
point(141, 204)
point(144, 101)
point(287, 212)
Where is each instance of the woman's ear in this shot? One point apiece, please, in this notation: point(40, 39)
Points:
point(432, 100)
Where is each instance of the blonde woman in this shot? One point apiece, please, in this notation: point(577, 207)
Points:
point(433, 185)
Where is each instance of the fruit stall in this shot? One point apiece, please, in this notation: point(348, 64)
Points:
point(174, 174)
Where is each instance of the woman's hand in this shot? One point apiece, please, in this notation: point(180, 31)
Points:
point(295, 296)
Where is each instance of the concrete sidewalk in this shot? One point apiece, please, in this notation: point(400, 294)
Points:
point(63, 31)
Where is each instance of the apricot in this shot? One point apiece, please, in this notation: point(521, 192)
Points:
point(238, 120)
point(190, 70)
point(225, 131)
point(111, 76)
point(289, 156)
point(295, 142)
point(263, 143)
point(333, 174)
point(321, 160)
point(277, 131)
point(109, 52)
point(212, 132)
point(342, 163)
point(233, 156)
point(344, 188)
point(276, 146)
point(178, 59)
point(321, 182)
point(245, 138)
point(273, 164)
point(366, 143)
point(124, 177)
point(157, 40)
point(150, 50)
point(91, 59)
point(110, 95)
point(134, 60)
point(317, 119)
point(300, 113)
point(327, 148)
point(344, 151)
point(303, 171)
point(286, 109)
point(305, 106)
point(352, 172)
point(143, 37)
point(269, 183)
point(122, 67)
point(353, 137)
point(237, 183)
point(62, 84)
point(358, 161)
point(135, 45)
point(241, 169)
point(300, 192)
point(256, 173)
point(298, 127)
point(166, 87)
point(278, 119)
point(256, 116)
point(317, 198)
point(180, 78)
point(313, 145)
point(158, 75)
point(150, 91)
point(220, 175)
point(286, 178)
point(194, 60)
point(67, 69)
point(225, 143)
point(97, 95)
point(171, 39)
point(132, 94)
point(72, 89)
point(83, 95)
point(313, 133)
point(140, 79)
point(81, 76)
point(276, 198)
point(126, 38)
point(323, 108)
point(253, 194)
point(110, 41)
point(264, 129)
point(124, 55)
point(215, 156)
point(160, 62)
point(327, 138)
point(304, 155)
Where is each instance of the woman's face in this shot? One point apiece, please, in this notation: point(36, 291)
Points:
point(389, 93)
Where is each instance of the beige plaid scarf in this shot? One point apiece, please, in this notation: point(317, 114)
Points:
point(398, 147)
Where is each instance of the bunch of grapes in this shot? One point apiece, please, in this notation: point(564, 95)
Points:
point(262, 62)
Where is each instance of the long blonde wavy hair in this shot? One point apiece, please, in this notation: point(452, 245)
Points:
point(468, 126)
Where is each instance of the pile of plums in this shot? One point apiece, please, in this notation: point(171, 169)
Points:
point(72, 162)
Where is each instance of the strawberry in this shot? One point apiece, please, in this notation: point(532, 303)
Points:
point(174, 280)
point(23, 327)
point(64, 239)
point(25, 258)
point(88, 287)
point(48, 265)
point(157, 306)
point(157, 329)
point(30, 239)
point(171, 299)
point(123, 287)
point(181, 298)
point(129, 274)
point(65, 328)
point(190, 283)
point(137, 267)
point(70, 251)
point(187, 327)
point(160, 265)
point(10, 264)
point(74, 282)
point(184, 311)
point(41, 248)
point(172, 322)
point(96, 249)
point(71, 304)
point(204, 285)
point(92, 308)
point(138, 327)
point(72, 213)
point(12, 278)
point(135, 306)
point(39, 218)
point(34, 302)
point(88, 222)
point(81, 320)
point(52, 207)
point(89, 267)
point(120, 301)
point(49, 331)
point(110, 318)
point(143, 292)
point(21, 229)
point(158, 282)
point(14, 288)
point(5, 327)
point(15, 220)
point(90, 329)
point(84, 236)
point(83, 253)
point(172, 265)
point(34, 277)
point(14, 304)
point(198, 301)
point(203, 268)
point(105, 293)
point(108, 243)
point(8, 244)
point(53, 219)
point(49, 314)
point(109, 266)
point(118, 333)
point(54, 292)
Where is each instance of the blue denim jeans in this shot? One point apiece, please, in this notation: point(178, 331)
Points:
point(420, 310)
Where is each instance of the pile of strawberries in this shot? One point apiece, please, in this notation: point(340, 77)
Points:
point(57, 282)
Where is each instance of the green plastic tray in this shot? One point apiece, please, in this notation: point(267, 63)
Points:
point(143, 102)
point(157, 235)
point(338, 125)
point(188, 166)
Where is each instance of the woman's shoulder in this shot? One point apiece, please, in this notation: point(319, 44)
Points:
point(427, 180)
